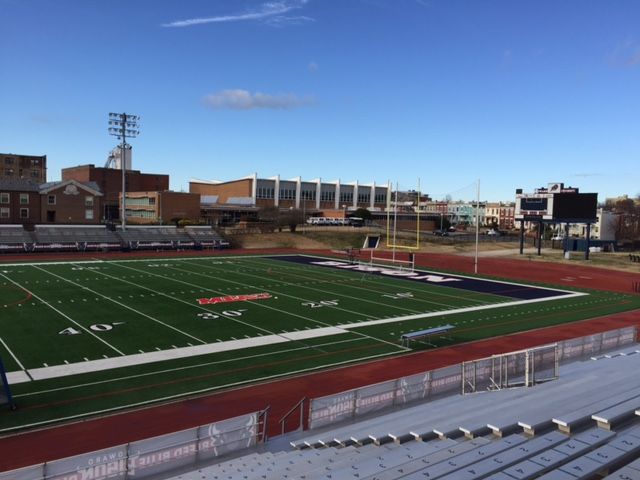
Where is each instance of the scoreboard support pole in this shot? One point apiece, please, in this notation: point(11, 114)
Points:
point(539, 239)
point(521, 236)
point(586, 248)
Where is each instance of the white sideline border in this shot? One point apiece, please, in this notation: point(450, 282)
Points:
point(63, 370)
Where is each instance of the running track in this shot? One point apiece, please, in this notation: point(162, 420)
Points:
point(33, 447)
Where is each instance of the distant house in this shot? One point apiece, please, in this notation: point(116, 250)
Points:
point(70, 201)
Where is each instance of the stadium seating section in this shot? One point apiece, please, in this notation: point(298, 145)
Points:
point(56, 238)
point(583, 426)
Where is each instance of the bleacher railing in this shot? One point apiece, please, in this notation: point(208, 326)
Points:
point(153, 456)
point(431, 384)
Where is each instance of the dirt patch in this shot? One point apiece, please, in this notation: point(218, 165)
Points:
point(277, 240)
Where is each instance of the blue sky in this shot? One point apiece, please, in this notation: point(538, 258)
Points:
point(515, 93)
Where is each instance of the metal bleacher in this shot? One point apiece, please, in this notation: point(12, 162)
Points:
point(206, 236)
point(74, 237)
point(51, 238)
point(501, 435)
point(13, 238)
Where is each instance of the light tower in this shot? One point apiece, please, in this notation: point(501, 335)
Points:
point(123, 126)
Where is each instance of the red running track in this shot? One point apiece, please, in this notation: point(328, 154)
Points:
point(93, 434)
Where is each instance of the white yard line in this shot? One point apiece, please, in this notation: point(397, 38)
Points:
point(178, 369)
point(476, 308)
point(82, 287)
point(196, 392)
point(266, 279)
point(489, 280)
point(64, 370)
point(63, 314)
point(326, 330)
point(13, 355)
point(388, 305)
point(235, 319)
point(384, 281)
point(295, 297)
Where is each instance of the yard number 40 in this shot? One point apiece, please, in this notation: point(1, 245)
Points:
point(96, 327)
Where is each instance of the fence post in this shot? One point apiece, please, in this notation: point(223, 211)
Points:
point(396, 386)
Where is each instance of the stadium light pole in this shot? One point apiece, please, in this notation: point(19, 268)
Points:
point(123, 126)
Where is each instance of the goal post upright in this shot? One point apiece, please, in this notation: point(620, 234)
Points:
point(392, 232)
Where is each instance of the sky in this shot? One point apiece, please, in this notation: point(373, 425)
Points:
point(515, 94)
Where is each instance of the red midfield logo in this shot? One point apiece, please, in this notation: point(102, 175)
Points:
point(233, 298)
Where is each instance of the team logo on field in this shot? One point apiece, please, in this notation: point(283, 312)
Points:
point(234, 298)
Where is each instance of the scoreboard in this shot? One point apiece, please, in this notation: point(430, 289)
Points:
point(556, 203)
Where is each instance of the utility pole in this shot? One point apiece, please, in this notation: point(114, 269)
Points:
point(123, 125)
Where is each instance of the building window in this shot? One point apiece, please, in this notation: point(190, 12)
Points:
point(380, 198)
point(4, 197)
point(364, 198)
point(346, 197)
point(88, 214)
point(327, 196)
point(24, 213)
point(88, 201)
point(8, 172)
point(141, 214)
point(152, 200)
point(34, 173)
point(8, 161)
point(4, 213)
point(265, 192)
point(287, 194)
point(51, 200)
point(308, 195)
point(24, 199)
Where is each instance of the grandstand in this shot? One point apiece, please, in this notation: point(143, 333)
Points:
point(56, 238)
point(206, 237)
point(13, 238)
point(483, 435)
point(583, 425)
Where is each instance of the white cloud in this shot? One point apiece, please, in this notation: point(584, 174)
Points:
point(244, 100)
point(625, 54)
point(268, 11)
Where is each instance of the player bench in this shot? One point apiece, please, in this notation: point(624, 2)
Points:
point(407, 338)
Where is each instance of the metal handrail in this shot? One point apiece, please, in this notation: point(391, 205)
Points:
point(265, 415)
point(293, 409)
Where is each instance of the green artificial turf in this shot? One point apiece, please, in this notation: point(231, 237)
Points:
point(57, 313)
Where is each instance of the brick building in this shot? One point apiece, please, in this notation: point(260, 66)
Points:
point(30, 167)
point(27, 203)
point(19, 201)
point(70, 202)
point(315, 195)
point(109, 182)
point(162, 207)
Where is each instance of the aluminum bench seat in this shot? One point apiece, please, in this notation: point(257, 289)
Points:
point(438, 456)
point(618, 413)
point(460, 461)
point(603, 458)
point(383, 458)
point(505, 459)
point(581, 416)
point(539, 464)
point(628, 472)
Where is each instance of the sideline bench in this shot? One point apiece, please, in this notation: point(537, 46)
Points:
point(428, 333)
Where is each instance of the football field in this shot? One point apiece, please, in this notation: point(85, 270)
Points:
point(89, 337)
